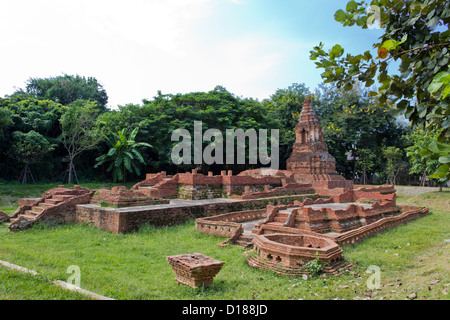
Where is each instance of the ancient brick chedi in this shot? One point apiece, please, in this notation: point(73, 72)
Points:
point(310, 160)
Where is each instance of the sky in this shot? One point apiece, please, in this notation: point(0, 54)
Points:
point(136, 47)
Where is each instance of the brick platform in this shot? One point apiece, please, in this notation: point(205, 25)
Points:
point(195, 270)
point(120, 220)
point(120, 197)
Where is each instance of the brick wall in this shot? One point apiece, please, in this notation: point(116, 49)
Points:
point(128, 220)
point(228, 224)
point(100, 217)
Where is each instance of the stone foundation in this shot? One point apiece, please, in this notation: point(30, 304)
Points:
point(195, 270)
point(120, 220)
point(120, 197)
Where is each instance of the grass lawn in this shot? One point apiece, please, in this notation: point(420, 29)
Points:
point(133, 266)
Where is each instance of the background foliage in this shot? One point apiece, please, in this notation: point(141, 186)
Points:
point(358, 129)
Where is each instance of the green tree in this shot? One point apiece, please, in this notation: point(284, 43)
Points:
point(365, 162)
point(28, 148)
point(416, 36)
point(159, 117)
point(67, 89)
point(353, 121)
point(394, 163)
point(78, 131)
point(122, 154)
point(285, 105)
point(5, 118)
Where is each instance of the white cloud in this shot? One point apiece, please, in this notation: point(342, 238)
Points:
point(135, 48)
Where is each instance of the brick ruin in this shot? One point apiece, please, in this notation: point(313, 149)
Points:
point(119, 197)
point(195, 186)
point(195, 270)
point(60, 205)
point(310, 160)
point(288, 217)
point(286, 237)
point(55, 206)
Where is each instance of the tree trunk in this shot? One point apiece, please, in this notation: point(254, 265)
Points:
point(25, 172)
point(69, 179)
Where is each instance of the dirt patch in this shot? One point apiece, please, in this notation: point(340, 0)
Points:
point(407, 191)
point(429, 279)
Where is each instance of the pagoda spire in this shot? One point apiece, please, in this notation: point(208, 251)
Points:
point(308, 113)
point(310, 160)
point(309, 131)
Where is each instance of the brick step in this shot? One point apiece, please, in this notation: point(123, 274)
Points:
point(63, 197)
point(274, 223)
point(28, 217)
point(37, 209)
point(53, 201)
point(32, 213)
point(245, 244)
point(46, 205)
point(246, 238)
point(280, 219)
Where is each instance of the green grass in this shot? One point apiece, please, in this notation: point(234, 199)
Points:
point(133, 266)
point(15, 285)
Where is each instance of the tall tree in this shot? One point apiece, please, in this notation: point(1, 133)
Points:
point(365, 162)
point(67, 89)
point(353, 121)
point(160, 117)
point(78, 134)
point(285, 105)
point(28, 148)
point(394, 163)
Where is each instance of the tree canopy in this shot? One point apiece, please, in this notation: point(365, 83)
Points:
point(67, 89)
point(416, 35)
point(358, 129)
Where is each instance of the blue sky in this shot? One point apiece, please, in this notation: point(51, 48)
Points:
point(137, 47)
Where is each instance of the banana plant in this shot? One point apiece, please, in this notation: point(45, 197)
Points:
point(123, 154)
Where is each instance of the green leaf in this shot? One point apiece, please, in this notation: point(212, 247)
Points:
point(129, 155)
point(118, 161)
point(445, 159)
point(389, 44)
point(351, 6)
point(446, 92)
point(136, 169)
point(340, 15)
point(138, 155)
point(127, 163)
point(438, 147)
point(122, 136)
point(111, 152)
point(442, 78)
point(441, 173)
point(134, 133)
point(404, 38)
point(336, 51)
